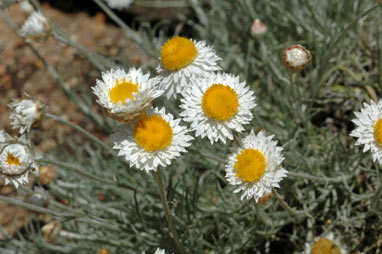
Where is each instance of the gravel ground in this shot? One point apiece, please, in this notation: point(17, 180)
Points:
point(21, 71)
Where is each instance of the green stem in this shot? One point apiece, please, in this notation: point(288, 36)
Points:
point(79, 171)
point(326, 57)
point(161, 4)
point(78, 128)
point(314, 178)
point(158, 178)
point(289, 209)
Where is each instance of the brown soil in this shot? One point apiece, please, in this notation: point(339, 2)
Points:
point(21, 71)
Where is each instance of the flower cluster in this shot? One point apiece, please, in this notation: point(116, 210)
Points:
point(215, 105)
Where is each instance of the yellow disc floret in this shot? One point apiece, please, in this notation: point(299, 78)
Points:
point(250, 165)
point(325, 246)
point(178, 52)
point(378, 131)
point(12, 160)
point(220, 102)
point(153, 133)
point(121, 91)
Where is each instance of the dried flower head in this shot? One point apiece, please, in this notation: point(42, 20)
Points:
point(26, 113)
point(296, 57)
point(51, 231)
point(258, 29)
point(37, 27)
point(47, 174)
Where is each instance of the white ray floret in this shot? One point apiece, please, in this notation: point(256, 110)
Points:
point(159, 251)
point(25, 114)
point(255, 167)
point(152, 141)
point(183, 59)
point(369, 129)
point(217, 105)
point(126, 93)
point(16, 161)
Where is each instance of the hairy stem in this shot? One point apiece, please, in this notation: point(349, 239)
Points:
point(158, 178)
point(289, 209)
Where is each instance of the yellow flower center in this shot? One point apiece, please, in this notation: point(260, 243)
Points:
point(121, 91)
point(178, 52)
point(250, 165)
point(325, 246)
point(220, 102)
point(378, 131)
point(12, 160)
point(153, 133)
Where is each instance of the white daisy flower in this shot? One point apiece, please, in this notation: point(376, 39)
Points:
point(126, 94)
point(153, 140)
point(325, 244)
point(16, 160)
point(369, 129)
point(119, 4)
point(256, 166)
point(25, 114)
point(216, 105)
point(36, 26)
point(183, 59)
point(159, 251)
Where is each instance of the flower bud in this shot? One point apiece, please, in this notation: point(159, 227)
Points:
point(39, 198)
point(26, 113)
point(296, 57)
point(25, 6)
point(258, 29)
point(37, 27)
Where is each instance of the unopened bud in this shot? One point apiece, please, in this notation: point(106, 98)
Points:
point(258, 29)
point(37, 27)
point(296, 57)
point(39, 198)
point(51, 231)
point(47, 175)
